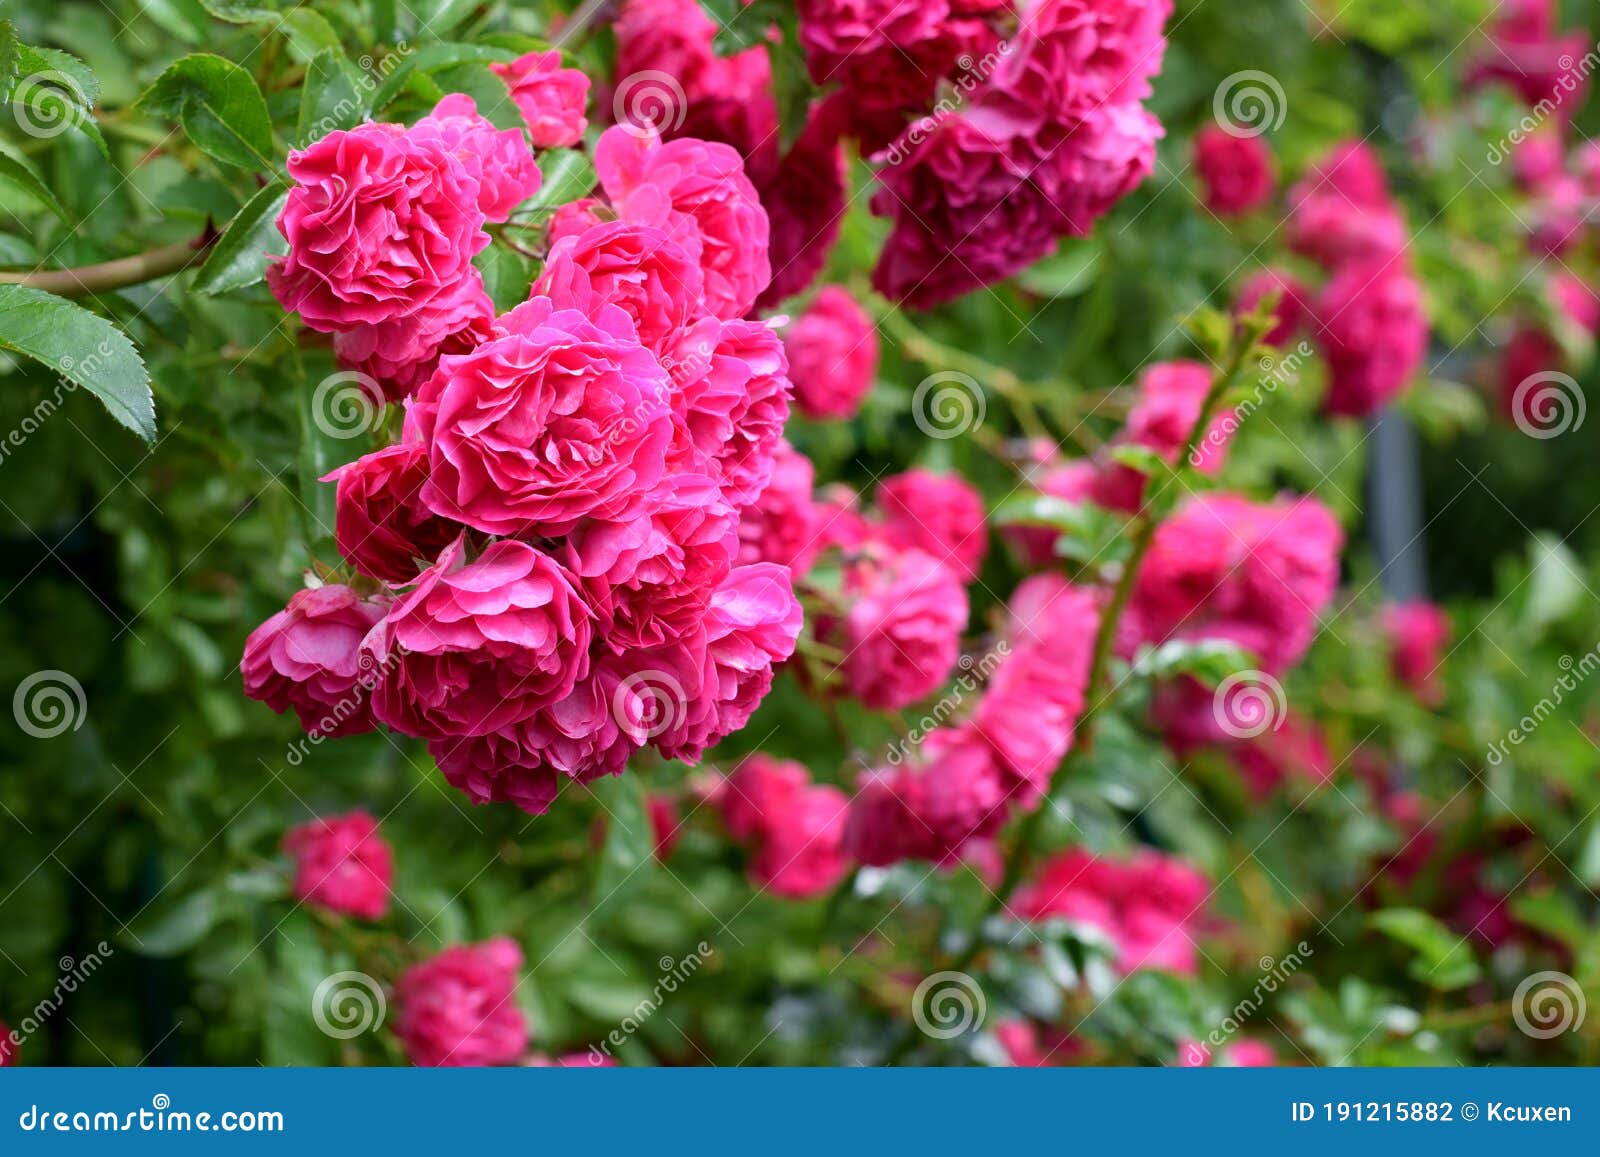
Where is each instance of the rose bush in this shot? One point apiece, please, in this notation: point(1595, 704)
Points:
point(739, 509)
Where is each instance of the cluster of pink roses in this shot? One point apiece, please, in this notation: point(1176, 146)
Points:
point(548, 558)
point(1040, 132)
point(795, 828)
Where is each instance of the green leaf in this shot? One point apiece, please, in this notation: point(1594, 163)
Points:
point(83, 348)
point(52, 90)
point(10, 58)
point(219, 107)
point(507, 275)
point(630, 841)
point(1208, 660)
point(431, 58)
point(1444, 961)
point(1067, 273)
point(17, 170)
point(239, 258)
point(168, 928)
point(568, 175)
point(329, 101)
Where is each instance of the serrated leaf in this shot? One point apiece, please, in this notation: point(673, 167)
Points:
point(219, 107)
point(17, 170)
point(329, 100)
point(239, 258)
point(51, 89)
point(82, 347)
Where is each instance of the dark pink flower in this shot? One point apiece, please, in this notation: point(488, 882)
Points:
point(399, 355)
point(734, 401)
point(796, 827)
point(1235, 170)
point(1418, 633)
point(903, 631)
point(698, 194)
point(833, 355)
point(1373, 327)
point(380, 223)
point(308, 656)
point(805, 202)
point(342, 864)
point(1080, 54)
point(551, 98)
point(1293, 310)
point(1341, 210)
point(480, 646)
point(499, 159)
point(562, 418)
point(634, 267)
point(575, 217)
point(781, 526)
point(380, 523)
point(939, 514)
point(1168, 407)
point(460, 1008)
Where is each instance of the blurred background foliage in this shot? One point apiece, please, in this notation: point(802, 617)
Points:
point(140, 570)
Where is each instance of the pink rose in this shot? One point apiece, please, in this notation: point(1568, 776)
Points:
point(551, 98)
point(781, 526)
point(342, 864)
point(833, 355)
point(564, 417)
point(575, 217)
point(805, 203)
point(1418, 633)
point(735, 401)
point(1164, 417)
point(1576, 301)
point(1530, 352)
point(460, 1007)
point(8, 1048)
point(797, 828)
point(903, 631)
point(1084, 53)
point(634, 267)
point(1235, 171)
point(1293, 311)
point(1341, 210)
point(498, 159)
point(308, 656)
point(939, 514)
point(697, 193)
point(399, 355)
point(380, 523)
point(479, 646)
point(1373, 326)
point(380, 223)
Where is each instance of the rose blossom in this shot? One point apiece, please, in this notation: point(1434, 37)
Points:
point(400, 355)
point(380, 524)
point(903, 631)
point(460, 1007)
point(805, 201)
point(734, 401)
point(1293, 311)
point(479, 646)
point(550, 98)
point(1235, 171)
point(308, 656)
point(698, 194)
point(833, 355)
point(564, 417)
point(379, 224)
point(342, 864)
point(575, 217)
point(499, 159)
point(1373, 326)
point(1418, 633)
point(781, 526)
point(940, 514)
point(796, 827)
point(1341, 210)
point(634, 267)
